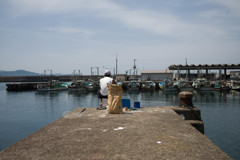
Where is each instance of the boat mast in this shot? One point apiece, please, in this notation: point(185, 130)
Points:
point(134, 67)
point(116, 63)
point(186, 70)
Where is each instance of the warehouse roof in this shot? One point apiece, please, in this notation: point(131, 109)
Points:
point(204, 66)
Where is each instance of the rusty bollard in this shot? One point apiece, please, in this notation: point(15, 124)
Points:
point(189, 112)
point(185, 99)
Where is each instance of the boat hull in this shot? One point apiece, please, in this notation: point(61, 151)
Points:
point(133, 89)
point(171, 89)
point(50, 89)
point(205, 88)
point(190, 89)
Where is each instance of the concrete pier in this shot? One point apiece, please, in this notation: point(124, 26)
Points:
point(86, 133)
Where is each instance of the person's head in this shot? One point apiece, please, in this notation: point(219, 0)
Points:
point(107, 73)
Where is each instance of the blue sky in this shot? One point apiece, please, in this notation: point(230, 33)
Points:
point(67, 35)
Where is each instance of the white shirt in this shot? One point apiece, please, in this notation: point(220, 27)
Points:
point(103, 85)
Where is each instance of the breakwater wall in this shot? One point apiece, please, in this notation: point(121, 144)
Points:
point(46, 78)
point(161, 132)
point(86, 133)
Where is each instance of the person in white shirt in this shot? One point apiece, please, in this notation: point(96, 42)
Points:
point(103, 93)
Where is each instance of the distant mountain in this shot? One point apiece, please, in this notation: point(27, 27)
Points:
point(17, 73)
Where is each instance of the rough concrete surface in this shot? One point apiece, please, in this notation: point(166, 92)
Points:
point(149, 133)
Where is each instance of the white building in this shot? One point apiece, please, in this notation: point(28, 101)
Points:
point(235, 74)
point(156, 75)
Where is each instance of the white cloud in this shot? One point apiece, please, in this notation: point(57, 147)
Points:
point(25, 7)
point(232, 5)
point(154, 22)
point(156, 37)
point(70, 30)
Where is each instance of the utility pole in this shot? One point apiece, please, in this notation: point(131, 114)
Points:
point(116, 63)
point(134, 67)
point(97, 70)
point(79, 74)
point(186, 69)
point(51, 74)
point(73, 75)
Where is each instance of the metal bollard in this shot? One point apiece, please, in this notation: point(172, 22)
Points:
point(185, 99)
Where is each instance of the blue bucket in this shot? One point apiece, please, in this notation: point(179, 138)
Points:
point(136, 104)
point(126, 103)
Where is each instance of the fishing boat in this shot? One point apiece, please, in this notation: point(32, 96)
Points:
point(92, 86)
point(148, 86)
point(79, 85)
point(221, 86)
point(168, 86)
point(185, 86)
point(134, 86)
point(52, 86)
point(235, 85)
point(202, 85)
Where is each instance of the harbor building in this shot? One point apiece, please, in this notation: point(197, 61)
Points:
point(121, 77)
point(156, 75)
point(235, 74)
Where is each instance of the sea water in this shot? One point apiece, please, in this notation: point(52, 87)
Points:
point(22, 113)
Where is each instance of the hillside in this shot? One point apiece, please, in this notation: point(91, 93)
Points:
point(17, 73)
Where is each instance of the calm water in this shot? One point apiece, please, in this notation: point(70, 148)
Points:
point(22, 113)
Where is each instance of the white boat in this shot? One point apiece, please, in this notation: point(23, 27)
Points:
point(92, 86)
point(134, 86)
point(79, 85)
point(221, 86)
point(202, 85)
point(148, 86)
point(185, 86)
point(168, 86)
point(235, 85)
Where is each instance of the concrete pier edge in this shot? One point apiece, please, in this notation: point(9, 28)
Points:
point(147, 133)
